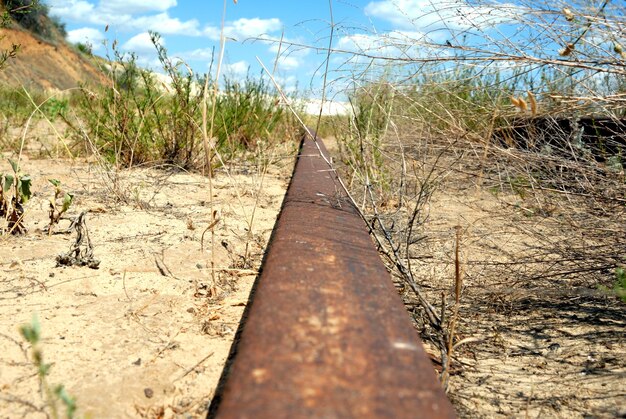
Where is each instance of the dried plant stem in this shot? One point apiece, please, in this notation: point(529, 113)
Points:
point(458, 284)
point(207, 136)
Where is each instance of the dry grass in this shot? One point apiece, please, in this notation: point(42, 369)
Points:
point(489, 133)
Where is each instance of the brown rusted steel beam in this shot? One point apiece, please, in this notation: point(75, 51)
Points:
point(327, 335)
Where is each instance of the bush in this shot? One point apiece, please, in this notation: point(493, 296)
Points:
point(31, 15)
point(246, 112)
point(143, 117)
point(61, 27)
point(86, 48)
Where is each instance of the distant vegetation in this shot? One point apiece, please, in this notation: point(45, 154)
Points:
point(33, 15)
point(140, 118)
point(85, 47)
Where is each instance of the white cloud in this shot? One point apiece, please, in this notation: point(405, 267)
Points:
point(135, 6)
point(141, 44)
point(436, 14)
point(244, 28)
point(291, 56)
point(127, 15)
point(237, 69)
point(82, 10)
point(200, 54)
point(255, 26)
point(289, 63)
point(75, 10)
point(164, 24)
point(86, 35)
point(287, 84)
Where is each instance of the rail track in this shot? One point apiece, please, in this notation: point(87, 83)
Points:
point(326, 335)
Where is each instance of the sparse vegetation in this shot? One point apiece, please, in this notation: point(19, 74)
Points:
point(56, 394)
point(14, 194)
point(143, 117)
point(489, 168)
point(484, 113)
point(59, 204)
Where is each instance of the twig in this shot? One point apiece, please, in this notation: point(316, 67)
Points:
point(194, 367)
point(458, 283)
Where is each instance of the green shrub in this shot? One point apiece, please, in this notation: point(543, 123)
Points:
point(86, 48)
point(136, 119)
point(31, 15)
point(52, 108)
point(246, 112)
point(140, 118)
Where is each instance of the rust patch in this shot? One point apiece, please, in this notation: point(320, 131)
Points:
point(327, 335)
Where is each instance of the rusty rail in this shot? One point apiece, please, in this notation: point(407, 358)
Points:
point(327, 335)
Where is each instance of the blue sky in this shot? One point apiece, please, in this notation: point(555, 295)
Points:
point(190, 29)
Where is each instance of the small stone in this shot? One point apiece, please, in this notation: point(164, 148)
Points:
point(148, 392)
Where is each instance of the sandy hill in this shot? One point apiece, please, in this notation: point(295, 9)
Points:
point(51, 64)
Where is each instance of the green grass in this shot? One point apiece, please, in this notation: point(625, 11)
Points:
point(139, 119)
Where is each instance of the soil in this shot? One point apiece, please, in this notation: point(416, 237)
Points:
point(537, 346)
point(51, 65)
point(538, 336)
point(148, 332)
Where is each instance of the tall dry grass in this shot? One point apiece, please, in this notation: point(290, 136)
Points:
point(523, 101)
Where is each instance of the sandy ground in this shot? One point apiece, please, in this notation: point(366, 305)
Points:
point(146, 334)
point(537, 346)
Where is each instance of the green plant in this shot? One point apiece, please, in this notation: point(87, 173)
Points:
point(619, 287)
point(85, 48)
point(142, 117)
point(363, 142)
point(31, 15)
point(53, 108)
point(246, 112)
point(57, 209)
point(620, 284)
point(18, 105)
point(137, 119)
point(54, 394)
point(15, 192)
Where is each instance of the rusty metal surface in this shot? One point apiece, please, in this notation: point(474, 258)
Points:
point(327, 335)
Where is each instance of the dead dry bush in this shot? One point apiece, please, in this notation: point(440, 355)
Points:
point(540, 238)
point(490, 168)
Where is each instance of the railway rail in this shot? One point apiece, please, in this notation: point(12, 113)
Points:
point(326, 334)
